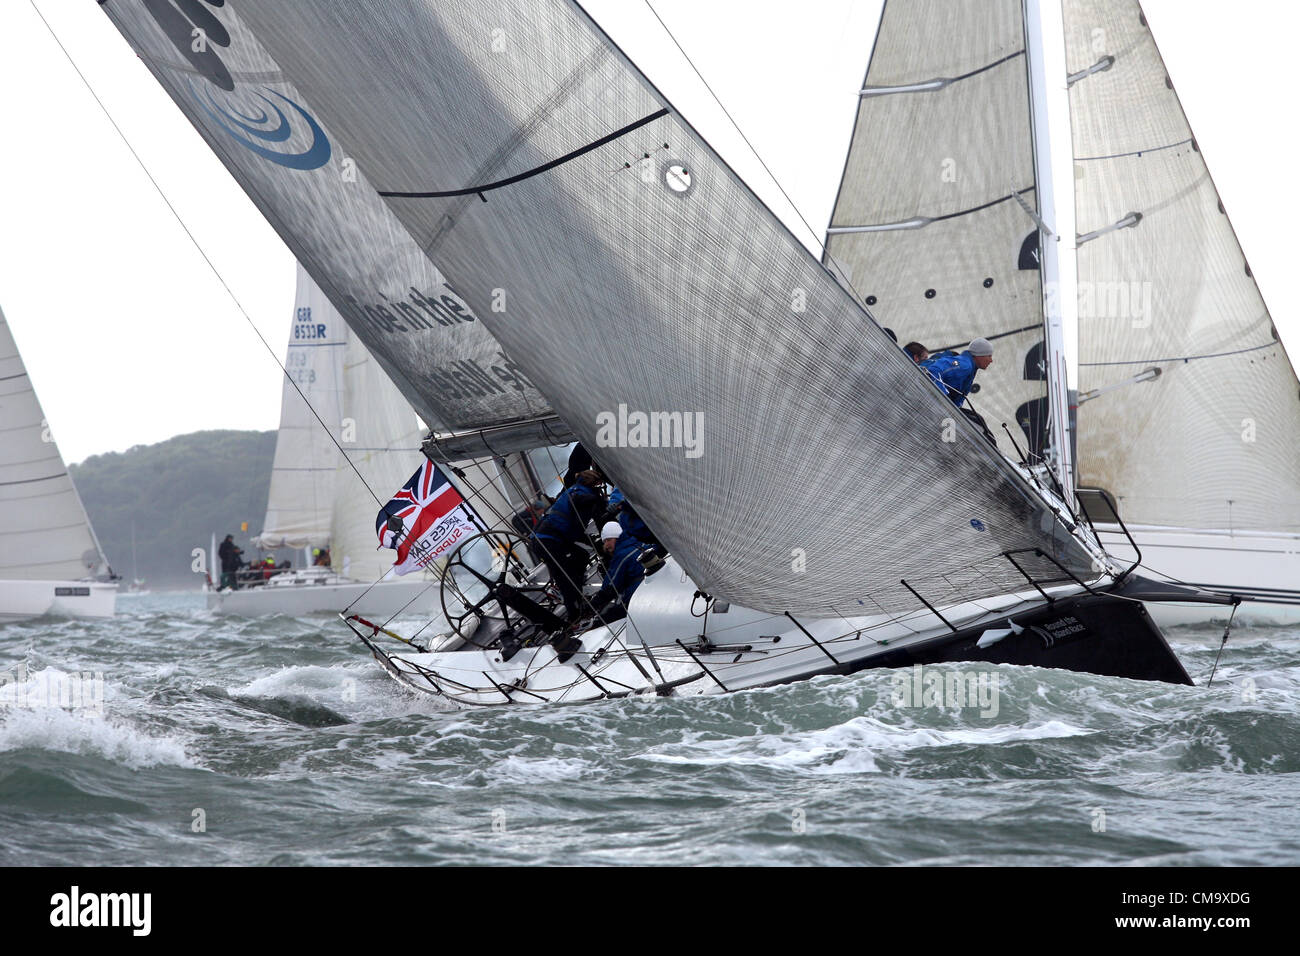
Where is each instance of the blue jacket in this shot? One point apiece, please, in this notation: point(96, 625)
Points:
point(952, 374)
point(566, 520)
point(625, 573)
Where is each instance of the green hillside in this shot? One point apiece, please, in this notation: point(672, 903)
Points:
point(178, 493)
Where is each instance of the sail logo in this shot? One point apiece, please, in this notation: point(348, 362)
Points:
point(261, 120)
point(73, 909)
point(271, 125)
point(624, 429)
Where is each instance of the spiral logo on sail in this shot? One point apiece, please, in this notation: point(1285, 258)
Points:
point(271, 125)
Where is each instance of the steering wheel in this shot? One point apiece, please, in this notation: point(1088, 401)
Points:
point(463, 577)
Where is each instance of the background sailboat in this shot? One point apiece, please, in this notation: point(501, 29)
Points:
point(50, 559)
point(1189, 408)
point(935, 224)
point(346, 436)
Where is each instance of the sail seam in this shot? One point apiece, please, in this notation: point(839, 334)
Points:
point(536, 170)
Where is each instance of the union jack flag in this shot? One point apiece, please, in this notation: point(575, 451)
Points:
point(425, 520)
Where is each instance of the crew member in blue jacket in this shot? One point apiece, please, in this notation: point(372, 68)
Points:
point(954, 375)
point(562, 528)
point(625, 571)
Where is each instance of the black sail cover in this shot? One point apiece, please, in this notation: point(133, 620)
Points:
point(308, 185)
point(780, 445)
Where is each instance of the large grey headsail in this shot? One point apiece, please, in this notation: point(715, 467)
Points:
point(44, 531)
point(640, 284)
point(308, 185)
point(1196, 417)
point(935, 225)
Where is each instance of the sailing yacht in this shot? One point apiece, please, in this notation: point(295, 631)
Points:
point(533, 241)
point(346, 435)
point(50, 560)
point(1186, 451)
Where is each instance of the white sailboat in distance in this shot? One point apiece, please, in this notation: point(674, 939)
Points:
point(50, 560)
point(346, 436)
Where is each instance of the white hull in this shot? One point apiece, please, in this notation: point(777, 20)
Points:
point(1260, 565)
point(644, 654)
point(21, 600)
point(323, 593)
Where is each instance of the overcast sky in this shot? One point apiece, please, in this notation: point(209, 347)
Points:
point(130, 339)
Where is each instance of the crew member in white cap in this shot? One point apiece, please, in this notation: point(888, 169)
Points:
point(625, 572)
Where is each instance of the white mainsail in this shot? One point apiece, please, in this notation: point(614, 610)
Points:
point(300, 502)
point(45, 535)
point(935, 223)
point(44, 531)
point(1213, 441)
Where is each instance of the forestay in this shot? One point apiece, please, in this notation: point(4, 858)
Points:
point(1214, 440)
point(44, 531)
point(308, 185)
point(637, 274)
point(935, 223)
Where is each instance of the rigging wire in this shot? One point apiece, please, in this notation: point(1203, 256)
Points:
point(198, 247)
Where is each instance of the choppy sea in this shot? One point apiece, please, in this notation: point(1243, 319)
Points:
point(170, 735)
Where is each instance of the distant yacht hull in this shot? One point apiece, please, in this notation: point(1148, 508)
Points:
point(311, 592)
point(1262, 566)
point(22, 600)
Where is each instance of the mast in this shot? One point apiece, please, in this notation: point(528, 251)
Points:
point(1054, 173)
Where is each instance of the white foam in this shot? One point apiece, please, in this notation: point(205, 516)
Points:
point(66, 732)
point(514, 769)
point(303, 681)
point(50, 709)
point(849, 747)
